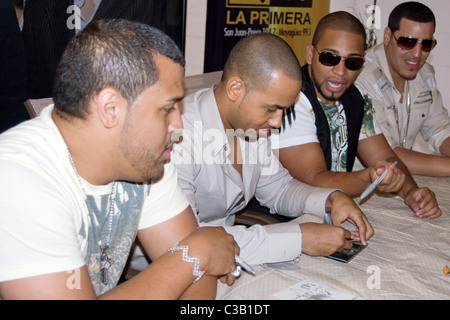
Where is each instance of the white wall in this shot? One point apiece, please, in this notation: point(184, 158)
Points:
point(195, 36)
point(196, 24)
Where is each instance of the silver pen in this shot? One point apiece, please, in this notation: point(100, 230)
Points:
point(244, 265)
point(374, 184)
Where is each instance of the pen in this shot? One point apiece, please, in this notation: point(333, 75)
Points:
point(330, 223)
point(244, 265)
point(374, 184)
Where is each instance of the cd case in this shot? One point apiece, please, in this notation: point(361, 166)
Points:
point(346, 255)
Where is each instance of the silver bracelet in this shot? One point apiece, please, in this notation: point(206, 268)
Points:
point(185, 256)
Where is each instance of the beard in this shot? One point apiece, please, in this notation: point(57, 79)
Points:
point(148, 167)
point(329, 97)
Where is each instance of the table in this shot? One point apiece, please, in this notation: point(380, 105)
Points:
point(406, 254)
point(404, 259)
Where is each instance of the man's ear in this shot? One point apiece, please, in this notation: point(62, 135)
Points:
point(387, 36)
point(109, 103)
point(309, 53)
point(236, 89)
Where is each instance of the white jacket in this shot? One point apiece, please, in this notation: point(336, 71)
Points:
point(428, 115)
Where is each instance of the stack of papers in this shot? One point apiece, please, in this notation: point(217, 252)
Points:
point(311, 289)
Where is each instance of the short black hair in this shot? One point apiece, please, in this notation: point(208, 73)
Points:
point(113, 53)
point(414, 11)
point(340, 21)
point(255, 57)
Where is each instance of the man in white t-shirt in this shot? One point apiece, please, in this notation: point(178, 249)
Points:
point(334, 123)
point(83, 179)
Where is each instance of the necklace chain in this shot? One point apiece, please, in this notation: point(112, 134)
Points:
point(105, 260)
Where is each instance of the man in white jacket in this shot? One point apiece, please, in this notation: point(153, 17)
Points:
point(404, 93)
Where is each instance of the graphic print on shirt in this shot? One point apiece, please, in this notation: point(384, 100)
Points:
point(338, 135)
point(129, 199)
point(368, 128)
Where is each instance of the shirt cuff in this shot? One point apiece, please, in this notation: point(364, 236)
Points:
point(315, 204)
point(279, 242)
point(285, 241)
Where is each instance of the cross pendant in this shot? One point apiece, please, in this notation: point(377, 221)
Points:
point(105, 263)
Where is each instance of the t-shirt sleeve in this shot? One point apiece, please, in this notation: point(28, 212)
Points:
point(301, 131)
point(165, 201)
point(370, 126)
point(38, 229)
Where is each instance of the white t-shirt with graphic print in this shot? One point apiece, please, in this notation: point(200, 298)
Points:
point(46, 223)
point(303, 129)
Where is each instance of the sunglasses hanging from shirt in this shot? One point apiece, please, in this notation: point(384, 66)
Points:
point(331, 59)
point(407, 43)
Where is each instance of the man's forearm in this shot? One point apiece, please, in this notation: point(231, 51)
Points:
point(424, 164)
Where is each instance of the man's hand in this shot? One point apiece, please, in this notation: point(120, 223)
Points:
point(215, 248)
point(343, 208)
point(394, 179)
point(423, 203)
point(323, 240)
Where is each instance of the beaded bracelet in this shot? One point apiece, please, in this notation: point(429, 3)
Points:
point(185, 256)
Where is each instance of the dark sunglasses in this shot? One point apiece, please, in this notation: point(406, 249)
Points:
point(407, 43)
point(330, 59)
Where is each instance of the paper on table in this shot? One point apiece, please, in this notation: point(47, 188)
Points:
point(311, 289)
point(290, 265)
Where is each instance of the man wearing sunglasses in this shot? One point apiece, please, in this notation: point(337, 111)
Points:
point(224, 159)
point(332, 123)
point(403, 88)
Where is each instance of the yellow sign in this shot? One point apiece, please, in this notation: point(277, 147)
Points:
point(228, 21)
point(298, 25)
point(248, 3)
point(293, 20)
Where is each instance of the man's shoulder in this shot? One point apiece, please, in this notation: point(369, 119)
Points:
point(372, 71)
point(192, 105)
point(36, 152)
point(28, 140)
point(427, 71)
point(370, 74)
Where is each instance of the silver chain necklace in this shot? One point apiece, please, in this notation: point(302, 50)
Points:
point(105, 261)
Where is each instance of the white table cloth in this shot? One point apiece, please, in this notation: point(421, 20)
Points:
point(404, 259)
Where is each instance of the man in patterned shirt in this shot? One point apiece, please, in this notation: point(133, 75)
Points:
point(332, 123)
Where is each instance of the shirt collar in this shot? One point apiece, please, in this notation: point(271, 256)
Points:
point(380, 55)
point(212, 120)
